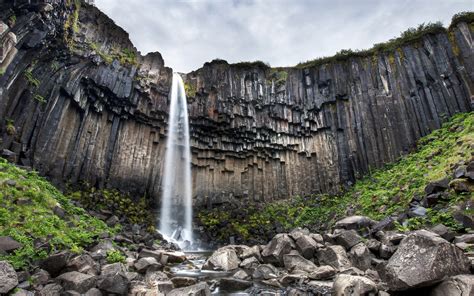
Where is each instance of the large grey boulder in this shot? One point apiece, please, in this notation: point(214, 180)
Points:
point(8, 277)
point(459, 285)
point(360, 256)
point(347, 238)
point(273, 252)
point(355, 222)
point(77, 281)
point(51, 290)
point(55, 263)
point(334, 256)
point(201, 289)
point(295, 262)
point(84, 264)
point(346, 285)
point(250, 263)
point(306, 245)
point(142, 264)
point(265, 272)
point(223, 259)
point(114, 283)
point(422, 259)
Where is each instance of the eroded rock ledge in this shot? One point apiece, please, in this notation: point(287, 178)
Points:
point(80, 104)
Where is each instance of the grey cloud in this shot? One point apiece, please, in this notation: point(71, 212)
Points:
point(281, 32)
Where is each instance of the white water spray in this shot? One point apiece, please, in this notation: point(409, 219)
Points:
point(176, 202)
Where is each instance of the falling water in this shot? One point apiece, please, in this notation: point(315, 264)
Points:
point(176, 203)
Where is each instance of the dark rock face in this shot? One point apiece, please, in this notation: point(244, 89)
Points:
point(257, 133)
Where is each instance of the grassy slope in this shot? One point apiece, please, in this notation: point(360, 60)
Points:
point(385, 192)
point(27, 214)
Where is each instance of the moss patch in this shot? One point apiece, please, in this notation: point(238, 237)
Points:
point(28, 213)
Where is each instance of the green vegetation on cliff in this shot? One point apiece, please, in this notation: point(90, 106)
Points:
point(387, 191)
point(34, 213)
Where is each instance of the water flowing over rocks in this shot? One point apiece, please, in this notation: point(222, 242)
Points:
point(79, 111)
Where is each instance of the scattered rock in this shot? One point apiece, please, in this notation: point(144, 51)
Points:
point(334, 256)
point(223, 259)
point(437, 186)
point(347, 238)
point(114, 283)
point(273, 252)
point(295, 262)
point(55, 263)
point(51, 290)
point(142, 264)
point(355, 223)
point(84, 264)
point(322, 273)
point(242, 275)
point(76, 281)
point(266, 272)
point(201, 289)
point(249, 263)
point(353, 285)
point(443, 231)
point(459, 285)
point(232, 284)
point(360, 256)
point(462, 185)
point(407, 268)
point(465, 238)
point(181, 281)
point(8, 244)
point(306, 245)
point(8, 277)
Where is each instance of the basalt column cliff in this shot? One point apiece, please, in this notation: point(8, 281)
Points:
point(80, 104)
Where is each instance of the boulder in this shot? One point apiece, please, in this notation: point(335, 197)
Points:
point(386, 251)
point(181, 281)
point(142, 264)
point(233, 284)
point(201, 289)
point(459, 285)
point(150, 253)
point(347, 238)
point(465, 238)
point(334, 256)
point(40, 277)
point(114, 268)
point(273, 252)
point(407, 268)
point(345, 285)
point(249, 263)
point(355, 222)
point(322, 273)
point(360, 256)
point(241, 275)
point(298, 232)
point(77, 281)
point(8, 244)
point(443, 231)
point(318, 238)
point(251, 252)
point(55, 263)
point(462, 185)
point(93, 292)
point(51, 290)
point(373, 245)
point(265, 272)
point(223, 259)
point(306, 245)
point(297, 263)
point(114, 283)
point(8, 277)
point(22, 292)
point(84, 264)
point(291, 278)
point(437, 186)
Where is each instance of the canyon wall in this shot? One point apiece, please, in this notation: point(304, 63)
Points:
point(81, 105)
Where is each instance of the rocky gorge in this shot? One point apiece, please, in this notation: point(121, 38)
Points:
point(376, 144)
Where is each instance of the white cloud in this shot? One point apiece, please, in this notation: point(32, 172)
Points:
point(282, 32)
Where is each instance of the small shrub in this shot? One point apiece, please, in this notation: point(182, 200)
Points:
point(115, 256)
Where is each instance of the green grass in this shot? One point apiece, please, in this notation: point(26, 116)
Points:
point(27, 215)
point(385, 192)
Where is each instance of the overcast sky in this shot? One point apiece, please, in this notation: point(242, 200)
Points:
point(281, 32)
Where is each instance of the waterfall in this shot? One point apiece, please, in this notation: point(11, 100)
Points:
point(176, 202)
